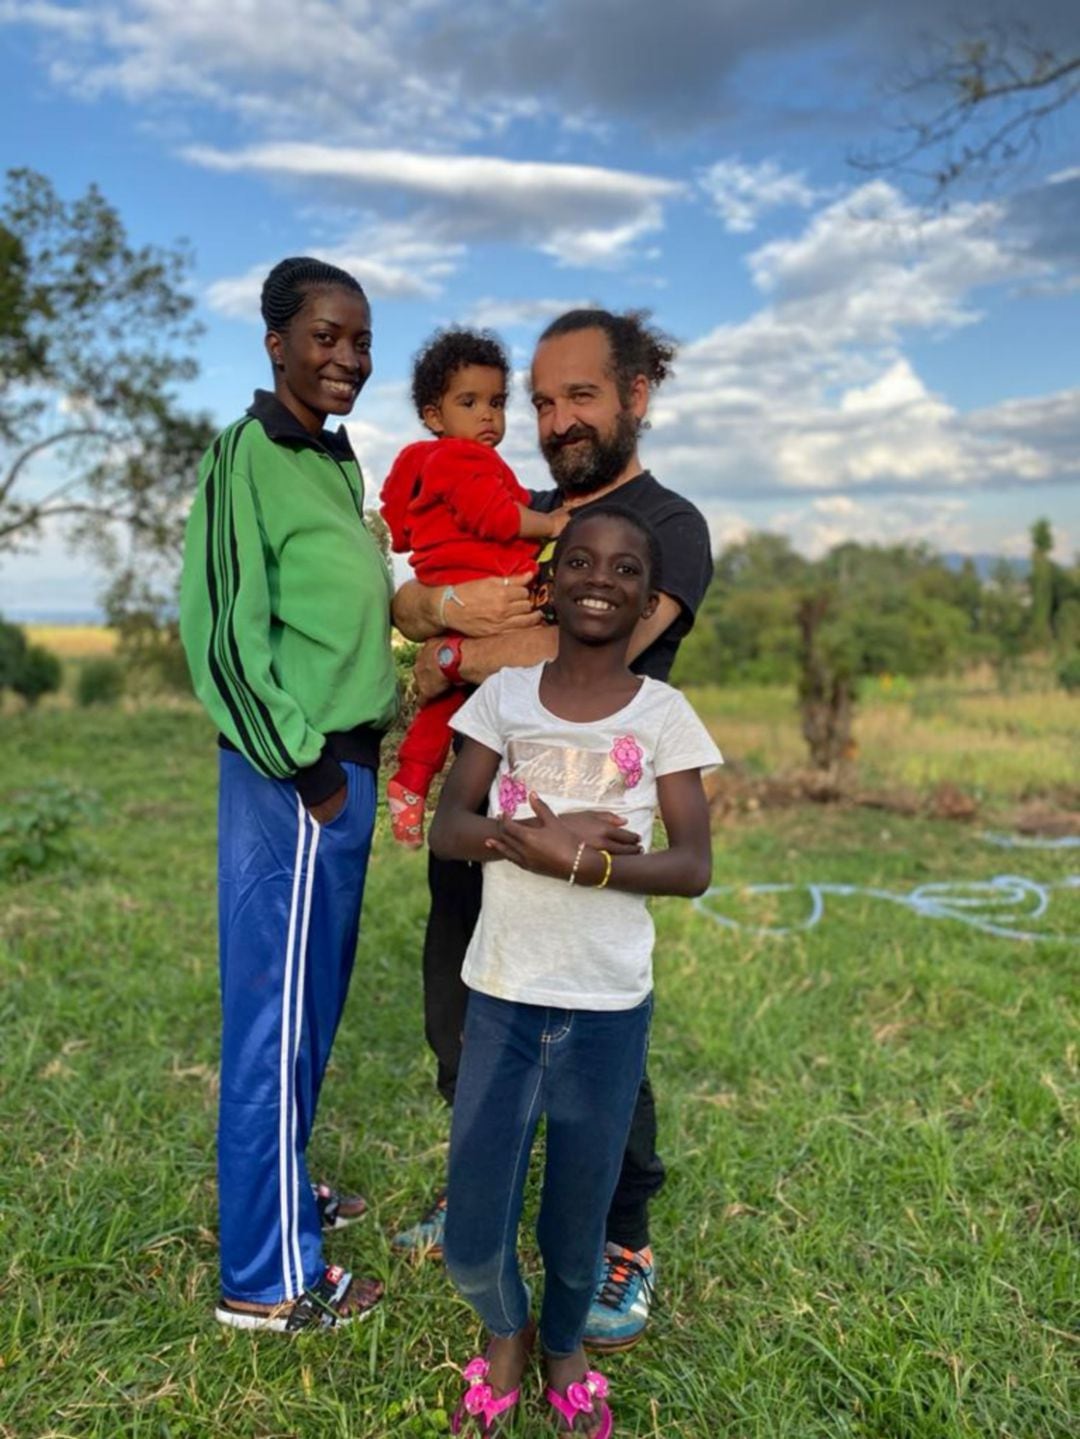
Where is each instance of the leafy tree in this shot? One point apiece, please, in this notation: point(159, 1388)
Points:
point(28, 670)
point(100, 682)
point(144, 617)
point(1067, 626)
point(1042, 583)
point(745, 628)
point(761, 559)
point(12, 654)
point(94, 335)
point(1069, 673)
point(828, 669)
point(40, 674)
point(699, 660)
point(1005, 611)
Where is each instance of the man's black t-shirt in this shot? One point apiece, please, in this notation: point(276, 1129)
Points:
point(685, 553)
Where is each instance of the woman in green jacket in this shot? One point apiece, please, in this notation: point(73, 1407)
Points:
point(284, 614)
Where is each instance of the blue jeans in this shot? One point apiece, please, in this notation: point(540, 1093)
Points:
point(581, 1069)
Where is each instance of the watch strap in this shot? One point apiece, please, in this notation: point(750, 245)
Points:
point(451, 668)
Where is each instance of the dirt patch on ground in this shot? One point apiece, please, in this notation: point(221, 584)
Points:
point(1046, 820)
point(734, 794)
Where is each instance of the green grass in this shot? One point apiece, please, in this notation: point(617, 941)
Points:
point(922, 733)
point(871, 1223)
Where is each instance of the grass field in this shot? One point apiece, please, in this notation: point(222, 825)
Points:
point(73, 642)
point(963, 731)
point(872, 1220)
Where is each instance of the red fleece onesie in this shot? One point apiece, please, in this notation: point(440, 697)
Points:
point(454, 504)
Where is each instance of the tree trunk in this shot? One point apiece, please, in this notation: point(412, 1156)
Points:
point(826, 692)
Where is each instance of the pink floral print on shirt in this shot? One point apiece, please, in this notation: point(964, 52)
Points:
point(628, 754)
point(511, 793)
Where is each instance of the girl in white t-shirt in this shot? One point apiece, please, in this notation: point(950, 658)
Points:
point(560, 964)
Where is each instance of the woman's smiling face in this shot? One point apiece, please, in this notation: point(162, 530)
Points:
point(322, 361)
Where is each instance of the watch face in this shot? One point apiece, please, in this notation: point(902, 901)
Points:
point(444, 654)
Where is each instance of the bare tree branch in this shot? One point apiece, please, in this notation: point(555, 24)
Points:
point(32, 516)
point(975, 106)
point(28, 454)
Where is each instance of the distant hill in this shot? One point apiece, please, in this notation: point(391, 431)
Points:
point(984, 564)
point(31, 615)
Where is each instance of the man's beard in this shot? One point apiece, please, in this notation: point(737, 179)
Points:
point(595, 462)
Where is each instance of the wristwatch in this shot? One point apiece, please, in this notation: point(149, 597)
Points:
point(448, 658)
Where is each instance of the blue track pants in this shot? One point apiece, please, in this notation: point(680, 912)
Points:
point(289, 893)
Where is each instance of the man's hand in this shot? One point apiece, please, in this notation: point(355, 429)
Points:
point(327, 810)
point(427, 676)
point(599, 829)
point(477, 608)
point(490, 606)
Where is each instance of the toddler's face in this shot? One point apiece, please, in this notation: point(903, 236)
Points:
point(473, 406)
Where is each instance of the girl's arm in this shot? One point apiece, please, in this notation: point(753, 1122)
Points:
point(457, 831)
point(685, 867)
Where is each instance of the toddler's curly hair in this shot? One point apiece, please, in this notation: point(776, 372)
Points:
point(447, 352)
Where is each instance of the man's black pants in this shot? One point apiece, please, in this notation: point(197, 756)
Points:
point(455, 907)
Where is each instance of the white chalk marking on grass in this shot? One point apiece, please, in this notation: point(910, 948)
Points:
point(1030, 841)
point(995, 906)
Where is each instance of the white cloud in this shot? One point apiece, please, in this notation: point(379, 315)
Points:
point(833, 520)
point(331, 65)
point(579, 214)
point(494, 314)
point(814, 393)
point(871, 265)
point(741, 194)
point(391, 261)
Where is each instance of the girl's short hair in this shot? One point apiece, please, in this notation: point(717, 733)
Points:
point(289, 283)
point(447, 352)
point(610, 510)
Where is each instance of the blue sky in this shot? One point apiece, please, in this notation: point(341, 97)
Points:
point(854, 364)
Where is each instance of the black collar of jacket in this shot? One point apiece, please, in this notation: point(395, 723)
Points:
point(282, 426)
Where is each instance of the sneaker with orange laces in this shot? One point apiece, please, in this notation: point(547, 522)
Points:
point(620, 1307)
point(406, 814)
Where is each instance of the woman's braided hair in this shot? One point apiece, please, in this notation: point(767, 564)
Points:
point(286, 288)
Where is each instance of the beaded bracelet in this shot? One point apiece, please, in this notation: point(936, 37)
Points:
point(607, 868)
point(577, 860)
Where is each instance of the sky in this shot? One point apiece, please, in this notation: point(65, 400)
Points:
point(855, 361)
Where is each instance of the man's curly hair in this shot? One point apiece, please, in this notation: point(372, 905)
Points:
point(447, 352)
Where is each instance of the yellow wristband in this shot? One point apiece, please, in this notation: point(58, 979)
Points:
point(607, 868)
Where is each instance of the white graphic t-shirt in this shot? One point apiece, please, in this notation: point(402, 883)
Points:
point(541, 940)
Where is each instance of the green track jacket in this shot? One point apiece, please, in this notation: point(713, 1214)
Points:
point(285, 600)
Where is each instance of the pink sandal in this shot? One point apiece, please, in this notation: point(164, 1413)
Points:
point(478, 1402)
point(406, 814)
point(582, 1398)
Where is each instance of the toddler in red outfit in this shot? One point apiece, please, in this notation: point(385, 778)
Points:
point(460, 511)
